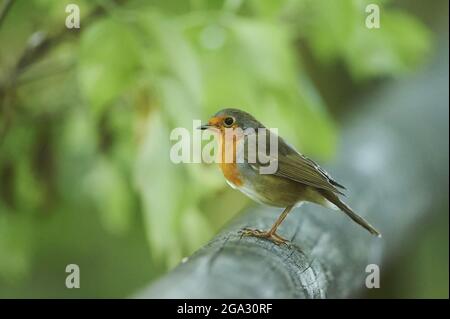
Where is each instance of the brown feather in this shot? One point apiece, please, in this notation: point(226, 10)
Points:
point(295, 166)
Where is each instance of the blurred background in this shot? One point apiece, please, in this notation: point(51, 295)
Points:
point(85, 117)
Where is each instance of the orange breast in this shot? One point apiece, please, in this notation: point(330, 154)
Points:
point(229, 170)
point(231, 173)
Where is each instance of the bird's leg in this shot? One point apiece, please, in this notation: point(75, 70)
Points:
point(271, 234)
point(280, 219)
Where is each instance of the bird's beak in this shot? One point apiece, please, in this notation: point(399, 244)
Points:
point(204, 127)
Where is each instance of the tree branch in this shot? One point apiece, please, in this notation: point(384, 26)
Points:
point(396, 170)
point(39, 44)
point(4, 10)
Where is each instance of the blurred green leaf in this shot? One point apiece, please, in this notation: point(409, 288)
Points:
point(195, 229)
point(161, 188)
point(332, 25)
point(268, 8)
point(110, 193)
point(28, 190)
point(108, 62)
point(16, 233)
point(398, 46)
point(266, 51)
point(338, 31)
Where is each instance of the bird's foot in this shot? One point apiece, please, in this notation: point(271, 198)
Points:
point(273, 237)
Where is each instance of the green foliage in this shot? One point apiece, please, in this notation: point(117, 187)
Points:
point(108, 62)
point(337, 31)
point(91, 134)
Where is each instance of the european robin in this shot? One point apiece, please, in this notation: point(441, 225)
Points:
point(297, 179)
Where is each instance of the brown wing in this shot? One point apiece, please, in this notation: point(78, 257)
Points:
point(295, 166)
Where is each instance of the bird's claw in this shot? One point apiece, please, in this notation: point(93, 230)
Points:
point(273, 237)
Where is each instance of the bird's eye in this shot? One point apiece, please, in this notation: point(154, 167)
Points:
point(228, 121)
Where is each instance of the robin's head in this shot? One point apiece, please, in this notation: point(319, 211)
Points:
point(231, 118)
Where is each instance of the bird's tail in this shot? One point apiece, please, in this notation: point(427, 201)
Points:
point(333, 198)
